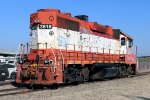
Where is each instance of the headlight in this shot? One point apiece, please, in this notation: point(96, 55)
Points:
point(20, 61)
point(47, 61)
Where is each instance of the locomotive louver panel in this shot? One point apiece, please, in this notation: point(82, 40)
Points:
point(116, 33)
point(67, 24)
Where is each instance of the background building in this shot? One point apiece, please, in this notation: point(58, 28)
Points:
point(6, 55)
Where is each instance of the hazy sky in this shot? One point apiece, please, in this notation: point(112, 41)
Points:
point(131, 16)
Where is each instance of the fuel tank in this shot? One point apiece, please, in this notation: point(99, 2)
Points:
point(103, 71)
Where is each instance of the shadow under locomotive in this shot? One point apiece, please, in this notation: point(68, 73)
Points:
point(98, 71)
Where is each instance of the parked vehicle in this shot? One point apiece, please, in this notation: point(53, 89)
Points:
point(11, 62)
point(4, 74)
point(8, 71)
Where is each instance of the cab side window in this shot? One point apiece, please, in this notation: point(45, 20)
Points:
point(123, 41)
point(130, 43)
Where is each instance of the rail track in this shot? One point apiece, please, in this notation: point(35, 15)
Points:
point(13, 91)
point(143, 73)
point(2, 83)
point(24, 90)
point(16, 91)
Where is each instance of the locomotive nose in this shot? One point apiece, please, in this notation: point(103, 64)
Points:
point(30, 70)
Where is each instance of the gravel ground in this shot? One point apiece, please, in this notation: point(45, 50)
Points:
point(136, 88)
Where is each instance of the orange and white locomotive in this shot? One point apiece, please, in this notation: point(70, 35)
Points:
point(66, 49)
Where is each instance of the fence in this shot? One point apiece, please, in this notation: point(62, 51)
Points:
point(144, 64)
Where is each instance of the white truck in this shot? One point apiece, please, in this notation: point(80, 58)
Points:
point(8, 70)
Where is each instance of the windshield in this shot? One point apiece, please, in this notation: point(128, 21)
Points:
point(33, 27)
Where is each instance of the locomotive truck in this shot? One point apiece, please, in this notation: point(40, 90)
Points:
point(67, 49)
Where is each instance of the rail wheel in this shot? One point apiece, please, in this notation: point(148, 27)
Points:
point(85, 74)
point(122, 72)
point(13, 77)
point(73, 75)
point(34, 87)
point(53, 86)
point(130, 71)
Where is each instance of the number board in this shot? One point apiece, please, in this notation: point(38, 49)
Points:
point(45, 26)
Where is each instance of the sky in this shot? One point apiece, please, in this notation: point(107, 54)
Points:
point(131, 16)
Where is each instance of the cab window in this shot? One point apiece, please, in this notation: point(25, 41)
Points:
point(33, 27)
point(123, 41)
point(130, 43)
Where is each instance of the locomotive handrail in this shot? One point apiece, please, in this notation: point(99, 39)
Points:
point(62, 59)
point(55, 60)
point(81, 46)
point(17, 53)
point(102, 54)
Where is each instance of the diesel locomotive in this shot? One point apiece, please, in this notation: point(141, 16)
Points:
point(67, 49)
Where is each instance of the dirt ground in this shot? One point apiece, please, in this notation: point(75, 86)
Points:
point(135, 88)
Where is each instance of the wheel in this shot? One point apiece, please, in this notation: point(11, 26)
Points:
point(13, 77)
point(30, 86)
point(82, 78)
point(85, 74)
point(3, 74)
point(79, 79)
point(73, 75)
point(119, 73)
point(130, 71)
point(53, 86)
point(122, 73)
point(2, 79)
